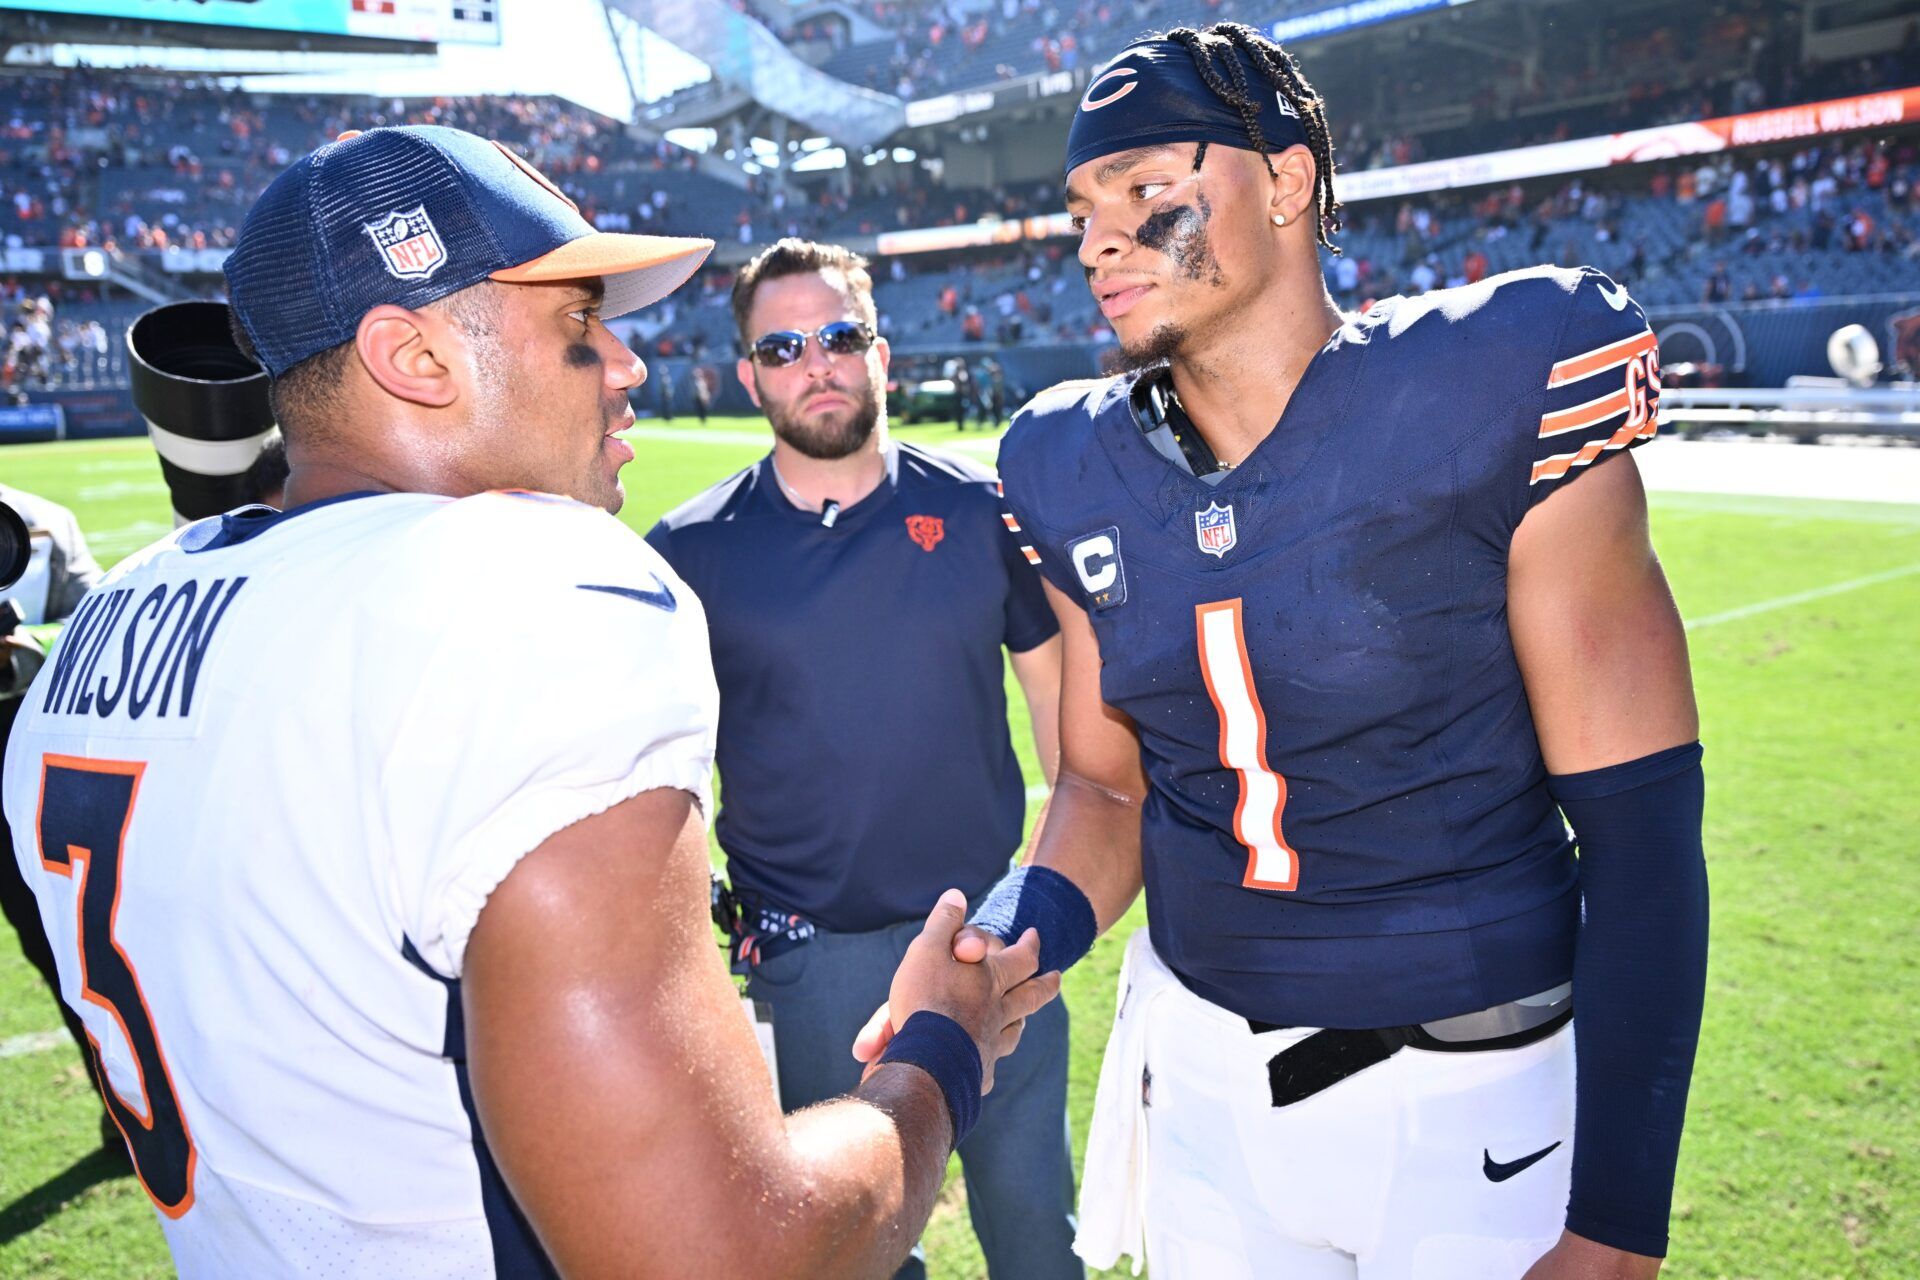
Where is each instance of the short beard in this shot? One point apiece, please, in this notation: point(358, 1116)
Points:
point(827, 441)
point(1157, 348)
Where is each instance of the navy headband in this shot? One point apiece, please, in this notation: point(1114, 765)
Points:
point(1152, 94)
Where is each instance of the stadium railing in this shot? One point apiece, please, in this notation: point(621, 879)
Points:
point(1801, 411)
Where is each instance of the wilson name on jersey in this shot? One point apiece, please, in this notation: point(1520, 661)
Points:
point(1348, 823)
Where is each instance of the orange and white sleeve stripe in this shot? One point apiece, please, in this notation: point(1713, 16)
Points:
point(1013, 526)
point(1621, 381)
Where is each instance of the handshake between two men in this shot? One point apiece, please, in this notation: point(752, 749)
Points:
point(967, 945)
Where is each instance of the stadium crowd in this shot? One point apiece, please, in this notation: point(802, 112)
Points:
point(1801, 222)
point(1743, 57)
point(45, 350)
point(147, 161)
point(154, 161)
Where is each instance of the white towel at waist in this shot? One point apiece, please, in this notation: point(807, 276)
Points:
point(1113, 1185)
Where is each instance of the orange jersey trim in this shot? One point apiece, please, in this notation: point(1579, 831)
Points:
point(1590, 414)
point(1600, 359)
point(1558, 465)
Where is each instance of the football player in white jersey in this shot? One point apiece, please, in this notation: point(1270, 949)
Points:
point(392, 965)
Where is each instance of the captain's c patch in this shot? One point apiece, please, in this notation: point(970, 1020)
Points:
point(1096, 562)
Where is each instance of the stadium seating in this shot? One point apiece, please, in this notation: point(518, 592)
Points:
point(148, 162)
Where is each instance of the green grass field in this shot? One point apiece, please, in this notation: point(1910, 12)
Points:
point(1802, 1156)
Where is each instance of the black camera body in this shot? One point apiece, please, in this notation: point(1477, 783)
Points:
point(16, 549)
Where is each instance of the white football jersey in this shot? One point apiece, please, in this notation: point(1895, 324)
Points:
point(262, 790)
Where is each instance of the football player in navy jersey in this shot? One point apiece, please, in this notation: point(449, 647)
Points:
point(1357, 609)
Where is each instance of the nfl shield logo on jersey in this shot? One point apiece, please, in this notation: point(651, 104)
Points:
point(1213, 529)
point(409, 243)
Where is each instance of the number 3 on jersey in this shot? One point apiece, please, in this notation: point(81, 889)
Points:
point(85, 806)
point(1271, 862)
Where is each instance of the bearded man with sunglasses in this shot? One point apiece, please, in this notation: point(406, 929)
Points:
point(858, 594)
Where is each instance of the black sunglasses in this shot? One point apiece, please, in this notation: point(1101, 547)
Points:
point(783, 347)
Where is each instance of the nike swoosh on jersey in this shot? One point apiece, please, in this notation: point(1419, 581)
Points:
point(661, 599)
point(1497, 1172)
point(1616, 297)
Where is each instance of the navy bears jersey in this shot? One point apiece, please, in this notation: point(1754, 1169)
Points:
point(1347, 822)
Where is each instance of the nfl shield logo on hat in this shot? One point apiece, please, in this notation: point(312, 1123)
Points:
point(1213, 529)
point(409, 244)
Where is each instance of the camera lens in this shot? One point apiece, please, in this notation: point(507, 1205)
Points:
point(205, 403)
point(16, 549)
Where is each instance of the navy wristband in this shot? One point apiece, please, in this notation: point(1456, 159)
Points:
point(942, 1048)
point(1040, 898)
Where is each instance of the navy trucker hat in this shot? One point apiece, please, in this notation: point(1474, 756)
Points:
point(409, 215)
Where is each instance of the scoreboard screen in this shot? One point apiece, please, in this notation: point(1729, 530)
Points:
point(415, 21)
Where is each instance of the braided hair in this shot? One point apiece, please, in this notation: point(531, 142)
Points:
point(1212, 48)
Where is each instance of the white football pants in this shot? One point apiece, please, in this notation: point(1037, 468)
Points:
point(1416, 1167)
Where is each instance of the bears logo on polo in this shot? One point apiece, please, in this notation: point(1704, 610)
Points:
point(1213, 529)
point(926, 530)
point(409, 243)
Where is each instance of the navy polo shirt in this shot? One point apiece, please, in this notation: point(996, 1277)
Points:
point(865, 762)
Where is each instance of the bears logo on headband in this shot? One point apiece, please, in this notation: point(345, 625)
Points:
point(1160, 97)
point(1091, 103)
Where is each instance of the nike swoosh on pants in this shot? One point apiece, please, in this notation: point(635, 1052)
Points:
point(1497, 1172)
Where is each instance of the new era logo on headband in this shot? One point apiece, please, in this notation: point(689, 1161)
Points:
point(409, 243)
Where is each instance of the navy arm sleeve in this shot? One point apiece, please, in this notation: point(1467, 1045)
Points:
point(1639, 980)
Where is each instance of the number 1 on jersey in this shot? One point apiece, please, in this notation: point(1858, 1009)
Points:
point(1271, 862)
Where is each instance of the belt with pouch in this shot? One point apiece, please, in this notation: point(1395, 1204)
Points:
point(1325, 1058)
point(756, 929)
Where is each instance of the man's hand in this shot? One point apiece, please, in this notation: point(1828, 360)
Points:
point(20, 659)
point(992, 1000)
point(971, 945)
point(1578, 1258)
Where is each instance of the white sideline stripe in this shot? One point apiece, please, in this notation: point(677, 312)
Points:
point(32, 1042)
point(1801, 597)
